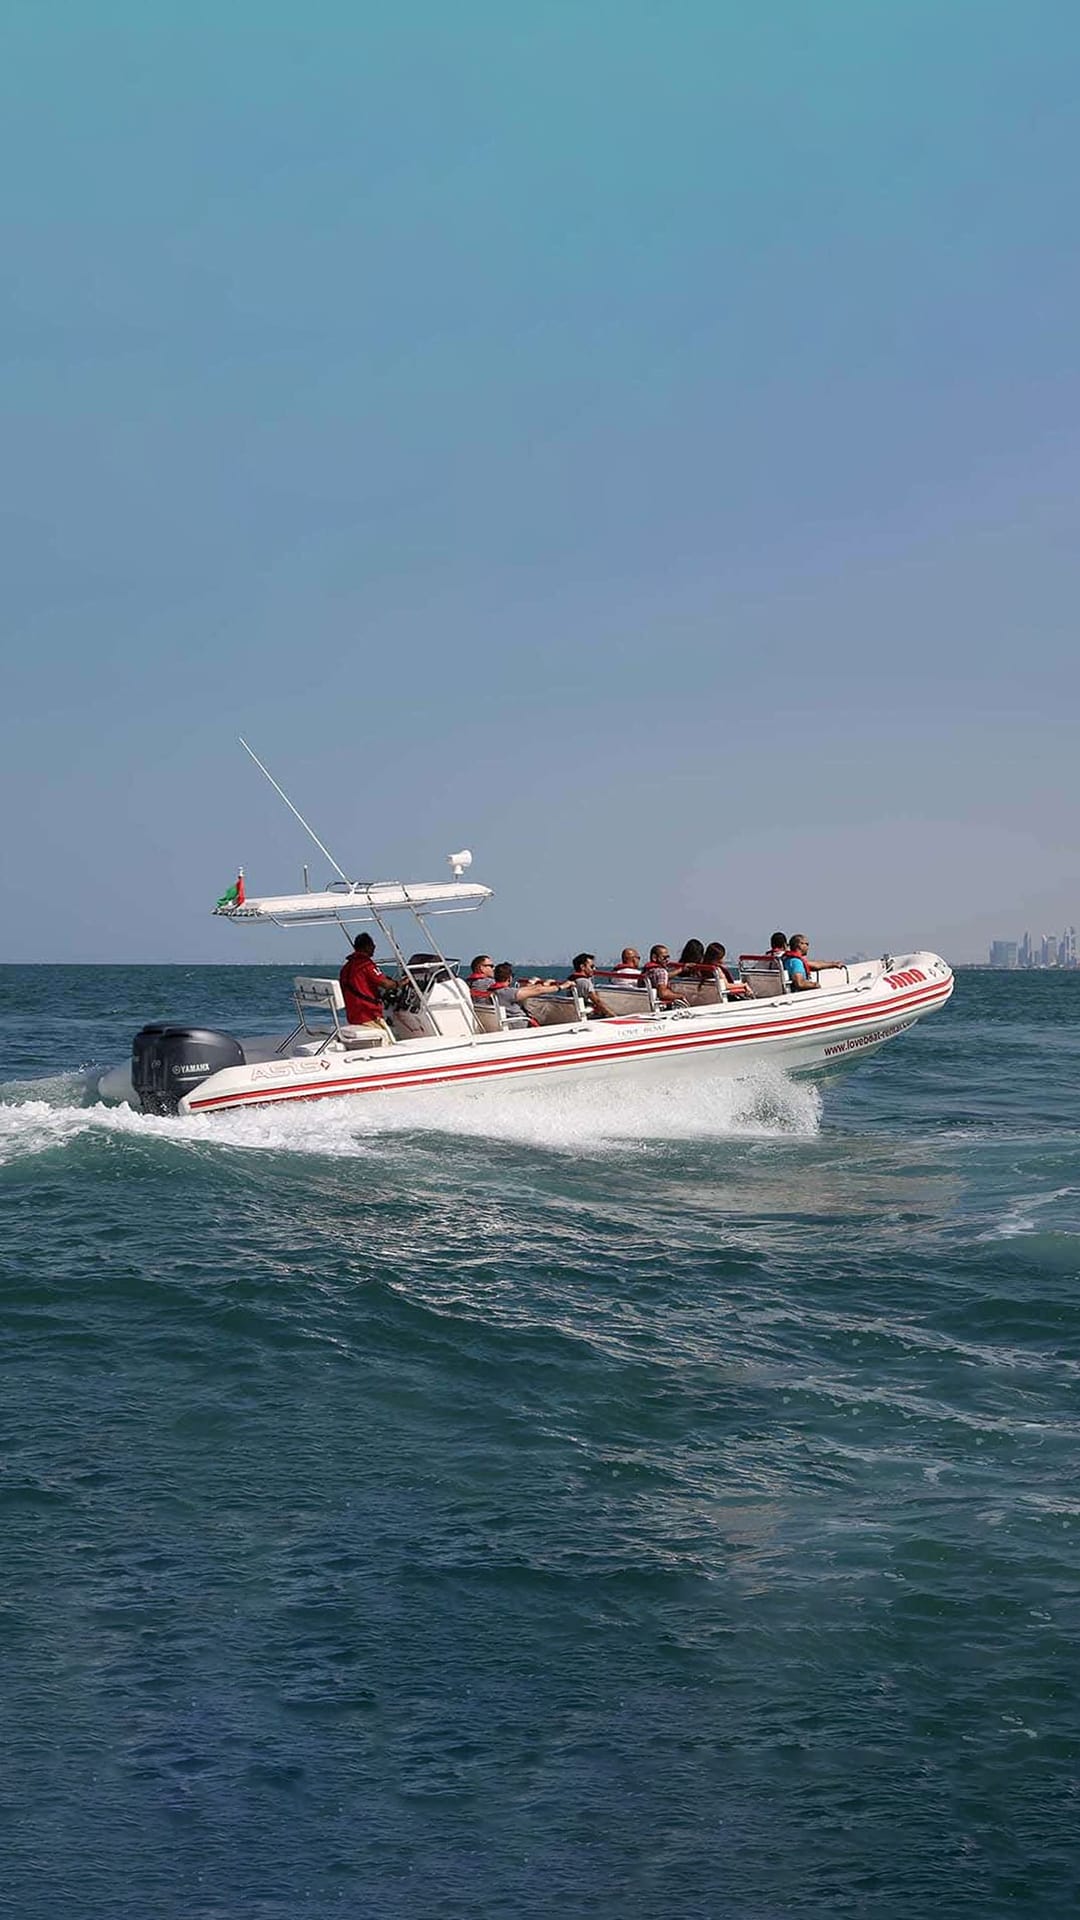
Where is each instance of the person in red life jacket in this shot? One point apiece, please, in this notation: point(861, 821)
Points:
point(628, 971)
point(714, 963)
point(691, 961)
point(362, 983)
point(486, 981)
point(507, 994)
point(656, 973)
point(798, 966)
point(512, 995)
point(481, 981)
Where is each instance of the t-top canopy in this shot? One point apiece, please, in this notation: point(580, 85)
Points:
point(360, 900)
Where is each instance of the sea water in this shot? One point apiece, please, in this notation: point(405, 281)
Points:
point(553, 1501)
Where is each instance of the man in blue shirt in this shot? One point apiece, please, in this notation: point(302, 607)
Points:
point(798, 966)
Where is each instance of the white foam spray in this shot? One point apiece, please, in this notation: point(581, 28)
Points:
point(579, 1118)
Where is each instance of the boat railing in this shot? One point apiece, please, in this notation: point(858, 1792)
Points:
point(834, 978)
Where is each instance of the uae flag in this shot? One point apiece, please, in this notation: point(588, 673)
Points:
point(235, 895)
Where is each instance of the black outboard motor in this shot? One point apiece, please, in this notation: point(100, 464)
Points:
point(167, 1062)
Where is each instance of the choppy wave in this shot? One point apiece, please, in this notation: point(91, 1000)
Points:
point(510, 1501)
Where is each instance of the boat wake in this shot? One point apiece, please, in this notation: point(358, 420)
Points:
point(582, 1119)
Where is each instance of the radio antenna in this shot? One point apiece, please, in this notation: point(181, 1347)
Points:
point(294, 810)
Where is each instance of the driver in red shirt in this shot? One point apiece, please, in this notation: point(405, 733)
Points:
point(362, 984)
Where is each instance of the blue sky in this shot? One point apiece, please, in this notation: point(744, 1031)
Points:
point(636, 441)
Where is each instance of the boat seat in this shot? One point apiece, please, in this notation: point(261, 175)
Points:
point(373, 1034)
point(626, 1002)
point(315, 996)
point(324, 994)
point(765, 983)
point(489, 1018)
point(698, 993)
point(352, 1039)
point(551, 1010)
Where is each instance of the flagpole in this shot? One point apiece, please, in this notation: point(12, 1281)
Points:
point(294, 810)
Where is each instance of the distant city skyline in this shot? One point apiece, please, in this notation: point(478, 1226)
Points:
point(1048, 950)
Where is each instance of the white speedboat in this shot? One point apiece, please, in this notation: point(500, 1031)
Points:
point(434, 1035)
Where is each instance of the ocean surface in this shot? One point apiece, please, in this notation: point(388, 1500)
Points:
point(541, 1502)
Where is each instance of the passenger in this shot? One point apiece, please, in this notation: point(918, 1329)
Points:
point(715, 954)
point(777, 949)
point(656, 973)
point(481, 981)
point(363, 985)
point(508, 994)
point(583, 979)
point(798, 966)
point(628, 971)
point(691, 959)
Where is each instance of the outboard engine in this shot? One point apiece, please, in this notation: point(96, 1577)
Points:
point(168, 1062)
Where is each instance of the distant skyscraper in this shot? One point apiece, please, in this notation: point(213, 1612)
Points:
point(1052, 950)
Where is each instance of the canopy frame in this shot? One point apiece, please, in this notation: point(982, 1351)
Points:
point(345, 900)
point(353, 902)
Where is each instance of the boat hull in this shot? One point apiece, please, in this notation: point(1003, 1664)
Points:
point(797, 1032)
